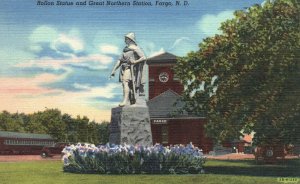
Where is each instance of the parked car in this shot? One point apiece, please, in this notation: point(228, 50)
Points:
point(49, 151)
point(269, 153)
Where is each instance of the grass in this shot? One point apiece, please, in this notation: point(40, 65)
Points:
point(246, 171)
point(288, 168)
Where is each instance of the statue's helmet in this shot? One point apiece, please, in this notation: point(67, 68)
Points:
point(131, 36)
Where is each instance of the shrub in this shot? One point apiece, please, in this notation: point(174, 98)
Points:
point(129, 159)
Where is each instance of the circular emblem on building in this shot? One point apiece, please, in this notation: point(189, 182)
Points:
point(163, 77)
point(269, 153)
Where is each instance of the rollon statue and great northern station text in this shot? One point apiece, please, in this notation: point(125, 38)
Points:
point(114, 3)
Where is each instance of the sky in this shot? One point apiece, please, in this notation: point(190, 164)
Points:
point(61, 56)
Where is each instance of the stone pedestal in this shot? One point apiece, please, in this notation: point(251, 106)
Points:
point(130, 125)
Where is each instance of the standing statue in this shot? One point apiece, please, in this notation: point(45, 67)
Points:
point(132, 71)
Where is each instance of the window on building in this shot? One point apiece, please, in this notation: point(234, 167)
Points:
point(164, 134)
point(175, 77)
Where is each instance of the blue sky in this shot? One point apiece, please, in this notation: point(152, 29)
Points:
point(61, 57)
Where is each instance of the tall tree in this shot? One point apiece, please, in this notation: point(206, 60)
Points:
point(82, 131)
point(62, 127)
point(103, 132)
point(55, 126)
point(35, 124)
point(250, 75)
point(11, 122)
point(71, 128)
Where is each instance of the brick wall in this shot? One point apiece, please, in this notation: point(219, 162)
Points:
point(156, 87)
point(183, 131)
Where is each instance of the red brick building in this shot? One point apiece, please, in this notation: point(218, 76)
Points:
point(167, 125)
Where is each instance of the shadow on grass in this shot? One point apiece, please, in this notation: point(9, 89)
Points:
point(287, 168)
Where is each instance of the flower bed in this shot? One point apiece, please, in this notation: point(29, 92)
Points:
point(128, 159)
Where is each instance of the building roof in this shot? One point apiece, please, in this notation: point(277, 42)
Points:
point(163, 57)
point(166, 105)
point(248, 138)
point(24, 135)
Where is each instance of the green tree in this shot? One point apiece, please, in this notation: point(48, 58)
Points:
point(82, 129)
point(35, 124)
point(250, 75)
point(103, 132)
point(11, 122)
point(71, 128)
point(48, 122)
point(55, 126)
point(60, 126)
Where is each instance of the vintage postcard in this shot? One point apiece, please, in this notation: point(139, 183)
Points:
point(134, 87)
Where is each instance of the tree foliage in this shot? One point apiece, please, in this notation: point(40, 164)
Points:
point(60, 126)
point(250, 73)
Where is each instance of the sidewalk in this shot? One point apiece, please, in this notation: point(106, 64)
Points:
point(20, 158)
point(231, 156)
point(240, 156)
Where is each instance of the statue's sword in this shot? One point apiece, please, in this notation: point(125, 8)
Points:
point(133, 81)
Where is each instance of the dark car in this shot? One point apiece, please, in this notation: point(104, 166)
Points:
point(269, 153)
point(48, 151)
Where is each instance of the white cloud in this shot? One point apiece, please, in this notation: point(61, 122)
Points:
point(43, 34)
point(74, 43)
point(29, 94)
point(82, 86)
point(90, 65)
point(182, 46)
point(17, 95)
point(74, 32)
point(149, 48)
point(98, 61)
point(108, 91)
point(109, 49)
point(105, 37)
point(30, 86)
point(209, 23)
point(160, 51)
point(62, 43)
point(35, 48)
point(102, 59)
point(179, 40)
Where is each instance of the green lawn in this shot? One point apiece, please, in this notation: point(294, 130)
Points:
point(42, 172)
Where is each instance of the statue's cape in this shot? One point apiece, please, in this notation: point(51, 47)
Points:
point(139, 69)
